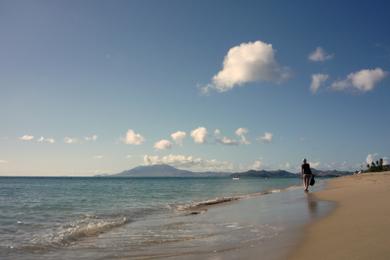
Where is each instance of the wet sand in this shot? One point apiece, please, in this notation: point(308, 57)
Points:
point(264, 227)
point(358, 228)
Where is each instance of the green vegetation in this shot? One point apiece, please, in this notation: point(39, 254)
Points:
point(377, 166)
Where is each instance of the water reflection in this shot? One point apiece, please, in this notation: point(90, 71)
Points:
point(312, 205)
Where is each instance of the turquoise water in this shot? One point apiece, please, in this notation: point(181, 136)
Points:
point(44, 216)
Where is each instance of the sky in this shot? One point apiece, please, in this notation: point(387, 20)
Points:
point(93, 87)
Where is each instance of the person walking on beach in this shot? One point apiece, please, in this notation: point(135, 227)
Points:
point(306, 174)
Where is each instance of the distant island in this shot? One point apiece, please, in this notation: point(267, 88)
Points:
point(164, 170)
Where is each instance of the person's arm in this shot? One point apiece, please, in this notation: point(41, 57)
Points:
point(302, 170)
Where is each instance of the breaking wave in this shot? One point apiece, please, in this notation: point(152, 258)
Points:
point(200, 204)
point(86, 227)
point(220, 200)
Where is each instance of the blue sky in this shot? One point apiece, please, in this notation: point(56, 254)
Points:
point(92, 87)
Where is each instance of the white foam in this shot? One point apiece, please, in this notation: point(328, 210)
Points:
point(219, 200)
point(89, 226)
point(195, 205)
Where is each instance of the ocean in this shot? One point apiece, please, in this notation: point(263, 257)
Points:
point(137, 218)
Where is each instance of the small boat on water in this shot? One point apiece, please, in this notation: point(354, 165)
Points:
point(235, 178)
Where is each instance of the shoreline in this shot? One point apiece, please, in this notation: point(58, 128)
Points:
point(286, 212)
point(228, 230)
point(359, 225)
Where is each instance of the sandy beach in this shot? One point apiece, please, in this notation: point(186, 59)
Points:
point(358, 228)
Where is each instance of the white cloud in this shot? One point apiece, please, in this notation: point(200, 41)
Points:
point(70, 140)
point(46, 140)
point(266, 138)
point(26, 138)
point(319, 54)
point(315, 164)
point(363, 80)
point(129, 156)
point(189, 162)
point(3, 161)
point(91, 138)
point(316, 81)
point(241, 132)
point(248, 62)
point(285, 166)
point(133, 138)
point(178, 137)
point(50, 140)
point(98, 157)
point(371, 158)
point(385, 161)
point(163, 145)
point(199, 135)
point(257, 165)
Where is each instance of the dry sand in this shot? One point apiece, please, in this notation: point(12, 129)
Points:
point(359, 227)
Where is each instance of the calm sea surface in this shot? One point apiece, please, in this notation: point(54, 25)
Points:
point(58, 217)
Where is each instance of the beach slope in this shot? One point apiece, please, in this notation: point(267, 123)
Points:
point(359, 227)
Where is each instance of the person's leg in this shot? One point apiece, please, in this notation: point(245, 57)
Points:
point(305, 182)
point(308, 178)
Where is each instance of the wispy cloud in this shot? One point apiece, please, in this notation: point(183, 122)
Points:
point(317, 81)
point(223, 139)
point(3, 161)
point(245, 63)
point(319, 54)
point(98, 157)
point(340, 166)
point(226, 141)
point(46, 140)
point(240, 132)
point(362, 81)
point(91, 138)
point(26, 138)
point(133, 138)
point(71, 140)
point(266, 137)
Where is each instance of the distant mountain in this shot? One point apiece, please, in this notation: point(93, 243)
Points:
point(286, 174)
point(266, 174)
point(163, 170)
point(330, 173)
